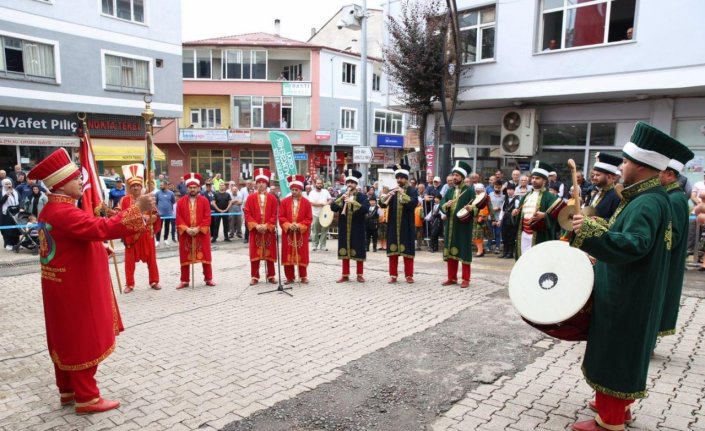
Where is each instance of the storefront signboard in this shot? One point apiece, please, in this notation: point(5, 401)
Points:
point(430, 158)
point(39, 141)
point(390, 141)
point(37, 123)
point(240, 136)
point(176, 163)
point(300, 156)
point(322, 135)
point(203, 135)
point(348, 137)
point(115, 126)
point(296, 88)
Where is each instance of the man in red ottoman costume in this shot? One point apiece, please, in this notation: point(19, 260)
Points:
point(81, 315)
point(261, 220)
point(295, 218)
point(193, 221)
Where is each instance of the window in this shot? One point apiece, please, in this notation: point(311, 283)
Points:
point(389, 123)
point(375, 82)
point(349, 73)
point(206, 118)
point(477, 30)
point(26, 58)
point(251, 160)
point(127, 74)
point(130, 10)
point(293, 72)
point(259, 112)
point(224, 64)
point(347, 119)
point(571, 23)
point(211, 162)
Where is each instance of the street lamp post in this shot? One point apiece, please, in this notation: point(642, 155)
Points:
point(363, 95)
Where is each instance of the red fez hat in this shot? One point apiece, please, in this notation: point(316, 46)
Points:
point(296, 181)
point(55, 170)
point(262, 174)
point(193, 178)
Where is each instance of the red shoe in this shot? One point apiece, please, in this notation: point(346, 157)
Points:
point(155, 286)
point(449, 282)
point(254, 281)
point(410, 279)
point(66, 398)
point(343, 279)
point(210, 283)
point(627, 413)
point(304, 280)
point(271, 280)
point(360, 279)
point(102, 405)
point(392, 279)
point(128, 289)
point(182, 285)
point(287, 282)
point(588, 425)
point(464, 284)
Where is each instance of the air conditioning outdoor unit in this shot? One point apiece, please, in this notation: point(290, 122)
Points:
point(520, 133)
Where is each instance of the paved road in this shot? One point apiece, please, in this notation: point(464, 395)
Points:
point(369, 356)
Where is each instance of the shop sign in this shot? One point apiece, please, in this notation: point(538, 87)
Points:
point(39, 141)
point(413, 159)
point(300, 156)
point(37, 123)
point(296, 88)
point(203, 135)
point(322, 135)
point(390, 141)
point(176, 163)
point(430, 157)
point(378, 157)
point(348, 137)
point(240, 136)
point(299, 148)
point(115, 126)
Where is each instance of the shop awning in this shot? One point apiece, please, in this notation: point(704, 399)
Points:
point(123, 150)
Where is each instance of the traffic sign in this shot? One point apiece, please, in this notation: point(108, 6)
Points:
point(362, 155)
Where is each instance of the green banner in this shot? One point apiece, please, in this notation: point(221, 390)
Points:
point(283, 159)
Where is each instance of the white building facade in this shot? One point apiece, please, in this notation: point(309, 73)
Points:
point(577, 75)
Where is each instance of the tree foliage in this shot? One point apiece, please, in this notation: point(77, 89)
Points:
point(414, 57)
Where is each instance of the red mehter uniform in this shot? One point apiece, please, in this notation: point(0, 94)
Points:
point(295, 242)
point(194, 249)
point(261, 208)
point(139, 247)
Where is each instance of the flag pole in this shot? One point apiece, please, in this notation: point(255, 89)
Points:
point(82, 117)
point(148, 115)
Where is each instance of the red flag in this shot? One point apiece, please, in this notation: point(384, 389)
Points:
point(92, 190)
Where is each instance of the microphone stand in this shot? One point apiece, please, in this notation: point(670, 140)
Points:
point(280, 288)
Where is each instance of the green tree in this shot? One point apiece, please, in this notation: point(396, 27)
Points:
point(414, 56)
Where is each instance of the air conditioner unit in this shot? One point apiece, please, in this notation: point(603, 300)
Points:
point(520, 133)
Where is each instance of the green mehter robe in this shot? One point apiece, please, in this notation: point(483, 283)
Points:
point(550, 231)
point(457, 239)
point(632, 255)
point(401, 231)
point(672, 300)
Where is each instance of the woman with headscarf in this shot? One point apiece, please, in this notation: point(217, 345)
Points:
point(9, 199)
point(34, 203)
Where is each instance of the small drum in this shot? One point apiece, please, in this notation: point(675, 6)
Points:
point(464, 215)
point(556, 208)
point(551, 287)
point(481, 200)
point(325, 218)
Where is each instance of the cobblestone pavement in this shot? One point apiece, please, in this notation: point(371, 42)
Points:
point(205, 357)
point(551, 394)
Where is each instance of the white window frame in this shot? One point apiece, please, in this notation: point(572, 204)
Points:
point(565, 8)
point(132, 12)
point(198, 124)
point(376, 81)
point(346, 72)
point(53, 43)
point(480, 30)
point(346, 116)
point(150, 66)
point(257, 110)
point(394, 123)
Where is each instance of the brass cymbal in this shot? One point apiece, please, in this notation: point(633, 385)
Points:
point(565, 217)
point(589, 211)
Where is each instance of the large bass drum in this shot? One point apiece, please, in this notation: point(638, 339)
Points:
point(551, 288)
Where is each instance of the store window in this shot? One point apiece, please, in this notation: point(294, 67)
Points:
point(259, 112)
point(26, 58)
point(571, 23)
point(127, 73)
point(477, 34)
point(692, 134)
point(251, 160)
point(388, 123)
point(210, 162)
point(129, 10)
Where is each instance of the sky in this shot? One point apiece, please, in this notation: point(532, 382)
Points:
point(204, 19)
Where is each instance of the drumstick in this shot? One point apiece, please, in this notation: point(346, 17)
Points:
point(576, 186)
